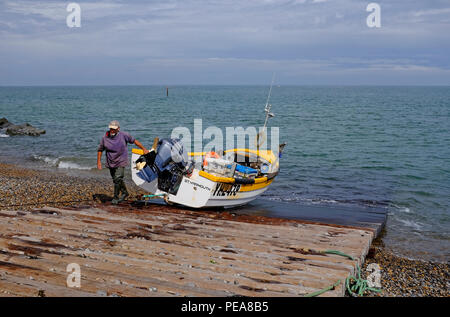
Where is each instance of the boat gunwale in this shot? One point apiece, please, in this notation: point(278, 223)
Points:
point(229, 180)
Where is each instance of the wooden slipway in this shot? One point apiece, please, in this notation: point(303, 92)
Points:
point(164, 251)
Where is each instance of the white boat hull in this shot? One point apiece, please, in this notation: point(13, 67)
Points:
point(202, 190)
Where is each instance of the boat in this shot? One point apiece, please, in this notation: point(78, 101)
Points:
point(205, 179)
point(184, 184)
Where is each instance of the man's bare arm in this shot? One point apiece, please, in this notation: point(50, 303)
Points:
point(139, 144)
point(99, 160)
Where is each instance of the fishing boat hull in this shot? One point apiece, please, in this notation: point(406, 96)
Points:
point(201, 189)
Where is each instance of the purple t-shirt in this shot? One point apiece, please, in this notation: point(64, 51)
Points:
point(116, 149)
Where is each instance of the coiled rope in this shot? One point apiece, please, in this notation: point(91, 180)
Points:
point(355, 286)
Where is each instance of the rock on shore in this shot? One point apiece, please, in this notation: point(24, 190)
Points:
point(23, 129)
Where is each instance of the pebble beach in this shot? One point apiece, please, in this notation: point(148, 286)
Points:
point(26, 189)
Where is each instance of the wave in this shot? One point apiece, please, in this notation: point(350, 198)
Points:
point(48, 160)
point(402, 209)
point(60, 162)
point(2, 133)
point(405, 210)
point(412, 224)
point(380, 168)
point(70, 165)
point(300, 199)
point(329, 201)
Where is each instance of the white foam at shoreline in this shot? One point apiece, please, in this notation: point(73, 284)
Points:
point(58, 163)
point(402, 208)
point(411, 224)
point(2, 134)
point(70, 165)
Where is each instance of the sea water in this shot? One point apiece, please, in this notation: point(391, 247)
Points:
point(384, 147)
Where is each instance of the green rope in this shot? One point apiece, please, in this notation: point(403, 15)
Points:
point(358, 286)
point(152, 196)
point(339, 253)
point(355, 286)
point(329, 288)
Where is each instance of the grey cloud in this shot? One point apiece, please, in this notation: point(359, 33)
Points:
point(224, 35)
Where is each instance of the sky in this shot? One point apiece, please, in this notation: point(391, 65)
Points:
point(225, 42)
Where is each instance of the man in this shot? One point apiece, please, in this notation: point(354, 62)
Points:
point(115, 144)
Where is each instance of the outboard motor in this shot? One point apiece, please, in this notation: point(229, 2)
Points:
point(168, 164)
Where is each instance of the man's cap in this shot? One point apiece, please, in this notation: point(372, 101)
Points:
point(114, 124)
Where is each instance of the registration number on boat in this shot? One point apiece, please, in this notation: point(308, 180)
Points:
point(226, 189)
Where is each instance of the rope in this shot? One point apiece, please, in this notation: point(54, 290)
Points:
point(329, 288)
point(358, 286)
point(338, 253)
point(153, 196)
point(355, 286)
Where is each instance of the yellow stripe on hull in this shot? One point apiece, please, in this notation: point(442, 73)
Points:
point(217, 179)
point(260, 182)
point(250, 187)
point(229, 180)
point(137, 151)
point(197, 153)
point(265, 154)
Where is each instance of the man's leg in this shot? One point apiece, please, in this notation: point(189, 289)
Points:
point(123, 188)
point(115, 174)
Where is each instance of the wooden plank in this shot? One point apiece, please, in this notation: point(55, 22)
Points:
point(156, 251)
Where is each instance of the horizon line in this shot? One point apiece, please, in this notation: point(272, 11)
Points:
point(229, 85)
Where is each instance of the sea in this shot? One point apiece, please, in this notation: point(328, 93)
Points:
point(386, 148)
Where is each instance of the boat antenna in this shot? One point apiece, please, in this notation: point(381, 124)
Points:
point(261, 135)
point(268, 105)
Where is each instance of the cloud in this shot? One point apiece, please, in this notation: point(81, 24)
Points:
point(56, 10)
point(292, 35)
point(432, 12)
point(46, 10)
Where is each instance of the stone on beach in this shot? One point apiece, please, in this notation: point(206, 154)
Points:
point(23, 129)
